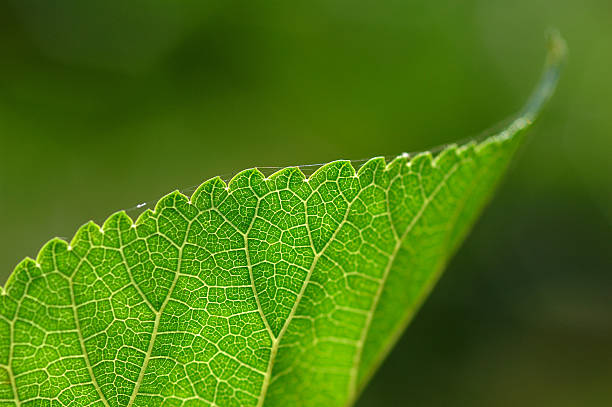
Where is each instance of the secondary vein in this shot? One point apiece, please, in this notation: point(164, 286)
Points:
point(379, 291)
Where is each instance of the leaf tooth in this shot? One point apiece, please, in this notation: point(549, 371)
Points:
point(398, 162)
point(15, 284)
point(119, 220)
point(335, 167)
point(46, 259)
point(252, 177)
point(446, 158)
point(372, 164)
point(209, 193)
point(81, 241)
point(283, 177)
point(422, 162)
point(144, 217)
point(172, 200)
point(374, 172)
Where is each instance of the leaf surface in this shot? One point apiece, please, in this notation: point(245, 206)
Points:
point(267, 291)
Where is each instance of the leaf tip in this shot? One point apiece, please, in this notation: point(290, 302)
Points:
point(557, 47)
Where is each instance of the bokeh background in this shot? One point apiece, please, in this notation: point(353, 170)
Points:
point(105, 105)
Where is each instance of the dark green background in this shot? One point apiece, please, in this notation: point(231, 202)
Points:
point(106, 104)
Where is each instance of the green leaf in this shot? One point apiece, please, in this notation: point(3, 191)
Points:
point(279, 291)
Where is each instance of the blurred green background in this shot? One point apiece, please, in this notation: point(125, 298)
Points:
point(104, 105)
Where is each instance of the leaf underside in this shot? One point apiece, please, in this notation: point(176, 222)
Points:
point(279, 291)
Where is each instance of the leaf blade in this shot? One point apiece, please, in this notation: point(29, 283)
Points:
point(265, 291)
